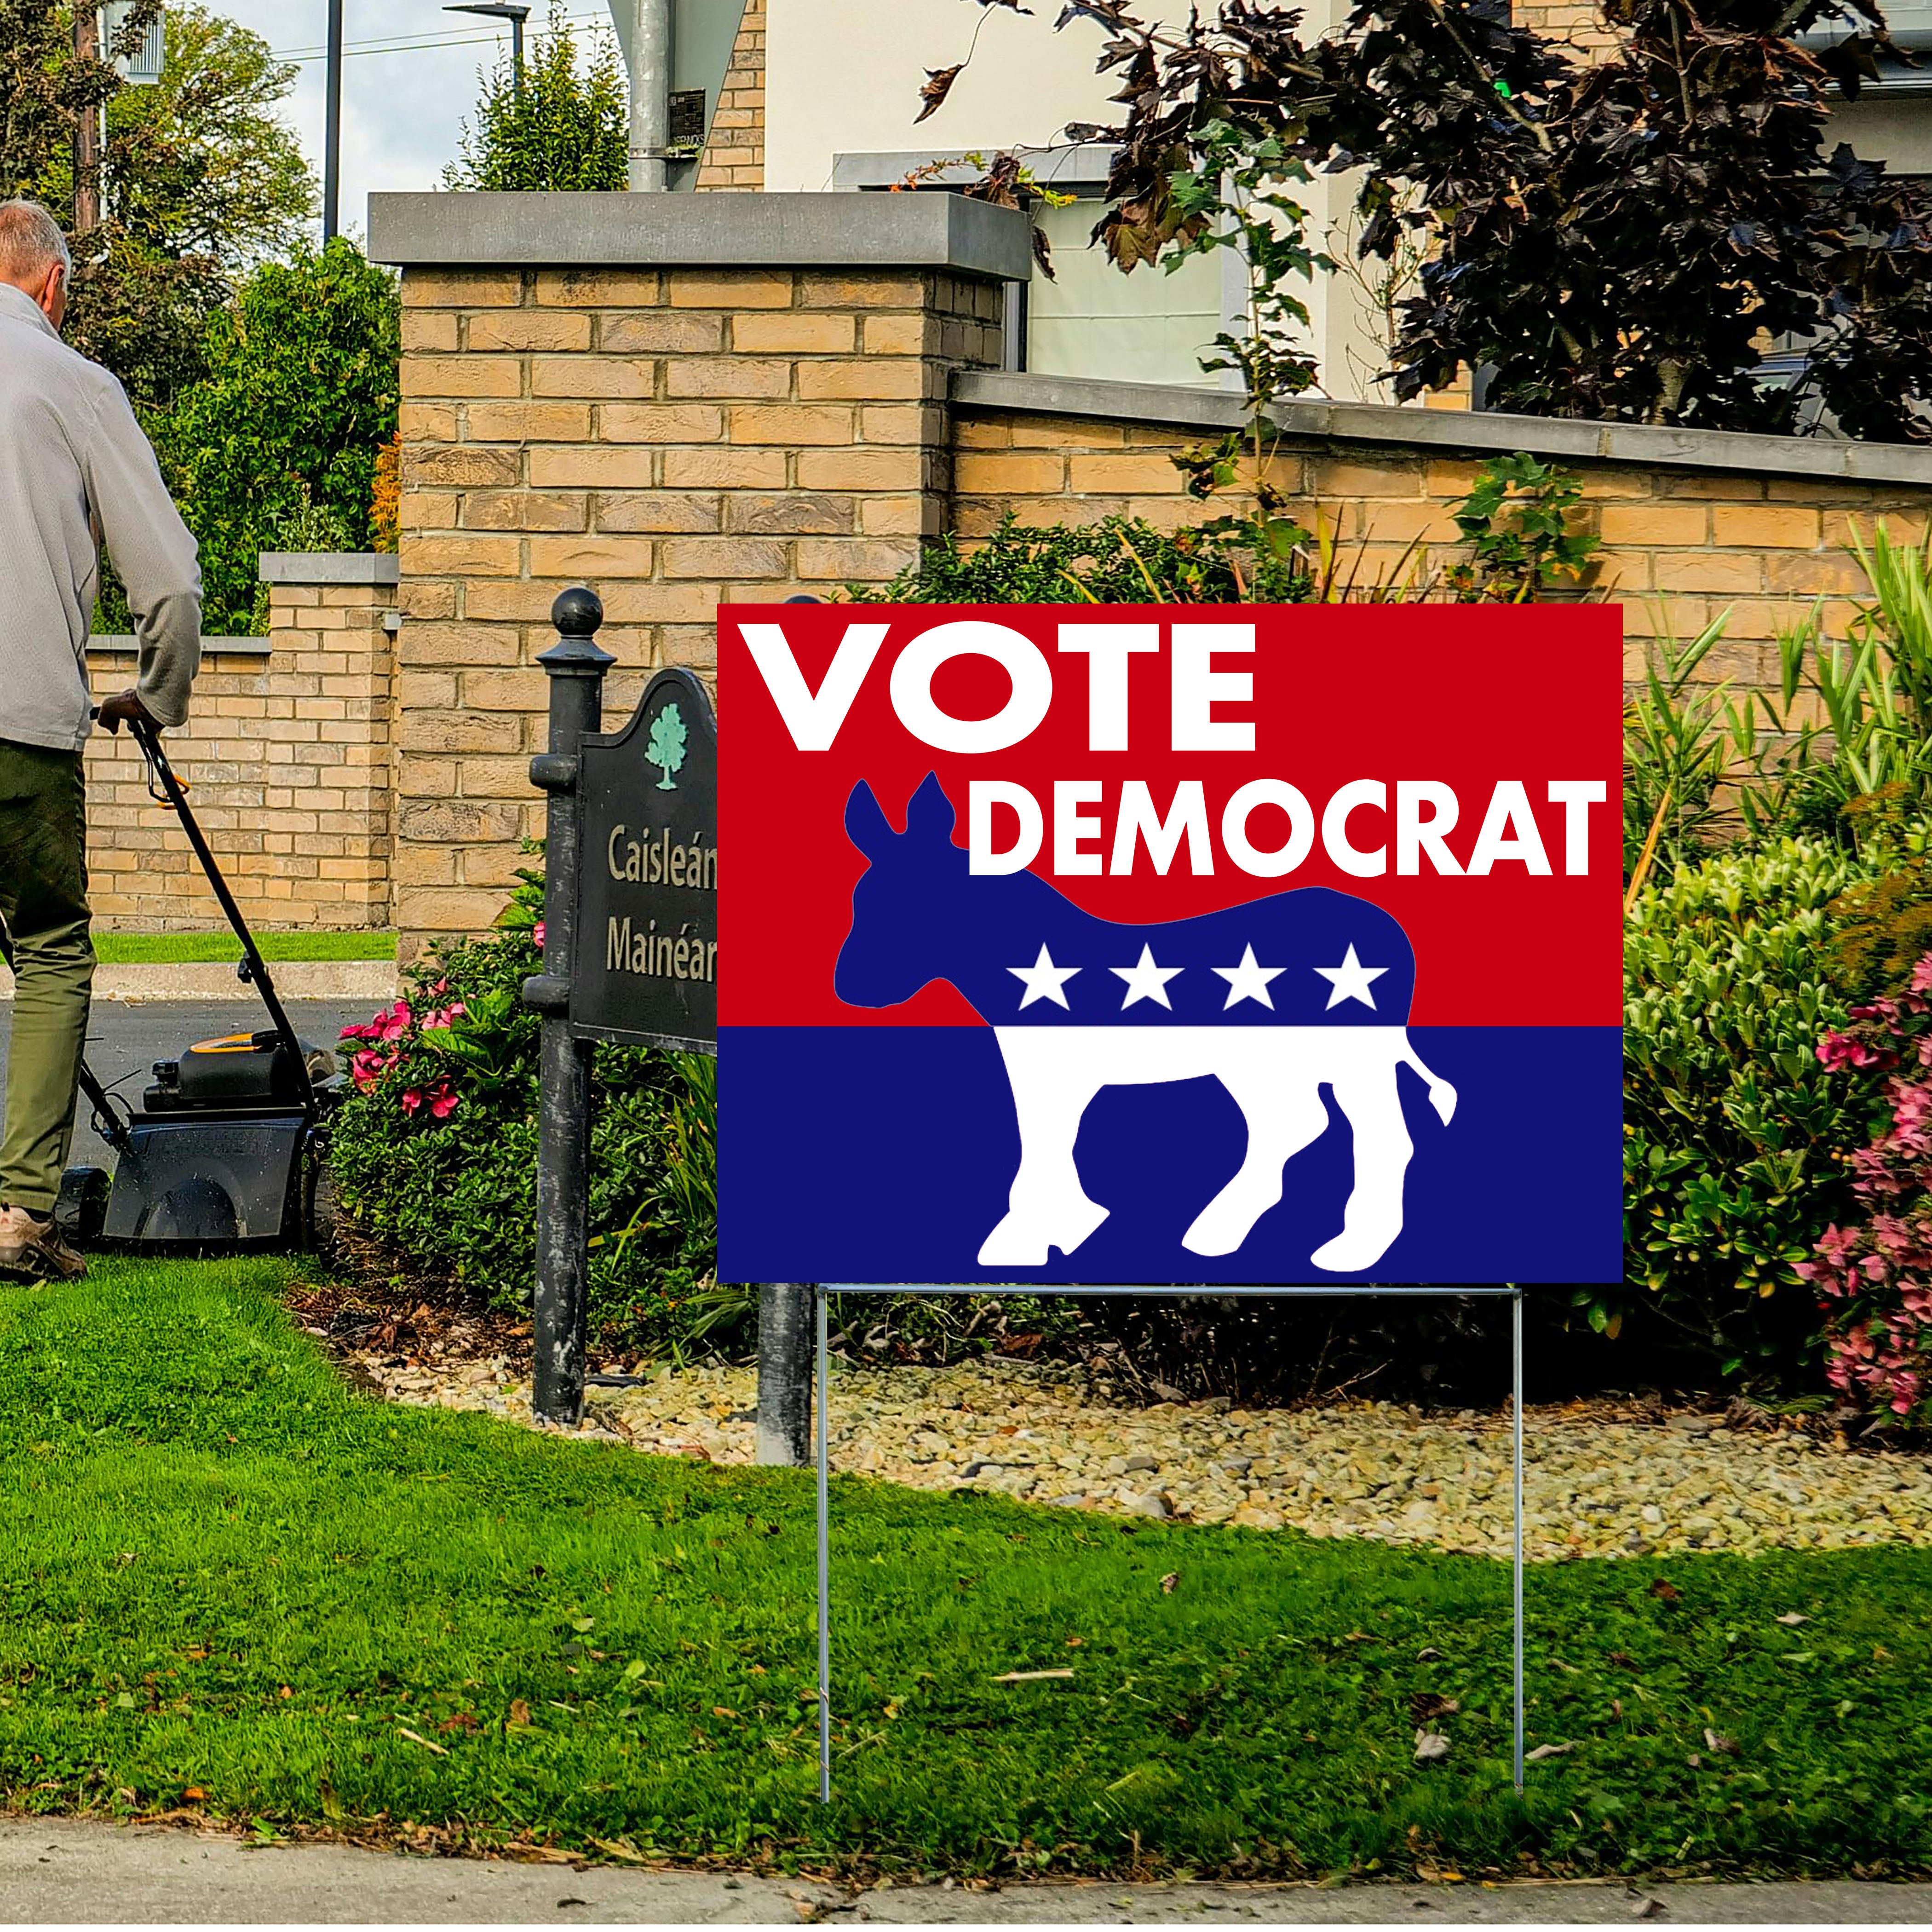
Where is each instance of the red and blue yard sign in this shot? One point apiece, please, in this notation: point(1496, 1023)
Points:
point(1241, 945)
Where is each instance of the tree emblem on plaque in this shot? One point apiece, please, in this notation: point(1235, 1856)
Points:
point(665, 748)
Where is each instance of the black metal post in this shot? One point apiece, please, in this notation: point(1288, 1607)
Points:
point(785, 1372)
point(575, 666)
point(516, 53)
point(331, 143)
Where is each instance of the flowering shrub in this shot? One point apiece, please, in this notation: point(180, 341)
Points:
point(1874, 1277)
point(391, 1029)
point(434, 1155)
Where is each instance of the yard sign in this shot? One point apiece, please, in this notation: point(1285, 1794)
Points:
point(1171, 945)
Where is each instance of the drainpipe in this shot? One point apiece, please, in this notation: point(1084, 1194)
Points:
point(647, 52)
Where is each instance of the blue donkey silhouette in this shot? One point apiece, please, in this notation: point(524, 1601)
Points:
point(1275, 998)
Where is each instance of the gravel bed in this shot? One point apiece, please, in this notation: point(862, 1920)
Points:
point(1593, 1487)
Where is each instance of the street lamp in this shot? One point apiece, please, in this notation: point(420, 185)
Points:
point(516, 15)
point(331, 135)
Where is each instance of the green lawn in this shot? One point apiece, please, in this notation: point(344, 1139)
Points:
point(224, 1571)
point(180, 949)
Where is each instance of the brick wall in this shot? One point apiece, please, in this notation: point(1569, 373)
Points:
point(678, 438)
point(734, 158)
point(286, 755)
point(1680, 544)
point(681, 438)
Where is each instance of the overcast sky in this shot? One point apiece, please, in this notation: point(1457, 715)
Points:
point(403, 101)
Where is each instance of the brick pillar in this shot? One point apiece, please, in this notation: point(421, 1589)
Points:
point(678, 437)
point(734, 156)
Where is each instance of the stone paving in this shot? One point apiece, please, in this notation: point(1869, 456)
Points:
point(1595, 1485)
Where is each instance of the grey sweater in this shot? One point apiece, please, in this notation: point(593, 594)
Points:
point(74, 470)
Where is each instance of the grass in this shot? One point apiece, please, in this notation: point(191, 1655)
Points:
point(227, 1574)
point(180, 949)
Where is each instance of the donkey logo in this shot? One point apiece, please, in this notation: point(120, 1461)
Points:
point(1276, 998)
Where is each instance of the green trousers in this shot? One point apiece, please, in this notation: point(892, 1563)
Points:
point(43, 904)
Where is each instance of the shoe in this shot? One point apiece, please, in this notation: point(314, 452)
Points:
point(32, 1250)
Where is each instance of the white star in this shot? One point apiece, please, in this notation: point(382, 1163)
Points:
point(1043, 980)
point(1147, 981)
point(1249, 980)
point(1351, 980)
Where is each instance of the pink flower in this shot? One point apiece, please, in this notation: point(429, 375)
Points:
point(411, 1099)
point(1836, 1243)
point(442, 1103)
point(367, 1067)
point(1921, 975)
point(537, 935)
point(1836, 1049)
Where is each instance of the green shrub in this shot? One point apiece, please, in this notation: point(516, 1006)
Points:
point(433, 1157)
point(561, 123)
point(1732, 1129)
point(1118, 560)
point(299, 398)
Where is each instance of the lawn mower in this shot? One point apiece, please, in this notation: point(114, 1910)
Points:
point(226, 1150)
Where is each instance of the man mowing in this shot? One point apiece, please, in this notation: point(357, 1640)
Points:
point(75, 472)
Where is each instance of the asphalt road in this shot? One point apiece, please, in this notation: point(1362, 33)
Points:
point(125, 1038)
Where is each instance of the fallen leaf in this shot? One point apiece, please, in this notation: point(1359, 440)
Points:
point(194, 1794)
point(1542, 1751)
point(462, 1721)
point(1426, 1706)
point(1431, 1747)
point(520, 1712)
point(1428, 1656)
point(1794, 1618)
point(1170, 1583)
point(1662, 1586)
point(620, 1851)
point(1622, 1659)
point(1713, 1741)
point(285, 1692)
point(1030, 1676)
point(1651, 1908)
point(416, 1738)
point(938, 85)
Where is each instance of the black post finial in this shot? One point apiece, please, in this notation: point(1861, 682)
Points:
point(578, 612)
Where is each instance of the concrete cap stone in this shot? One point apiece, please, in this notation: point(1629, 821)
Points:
point(329, 566)
point(839, 231)
point(1457, 431)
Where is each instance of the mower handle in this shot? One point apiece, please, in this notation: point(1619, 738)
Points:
point(254, 967)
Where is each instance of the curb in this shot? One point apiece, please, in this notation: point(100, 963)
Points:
point(371, 979)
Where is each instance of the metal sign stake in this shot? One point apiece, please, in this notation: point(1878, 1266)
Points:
point(1515, 1565)
point(822, 1291)
point(824, 1568)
